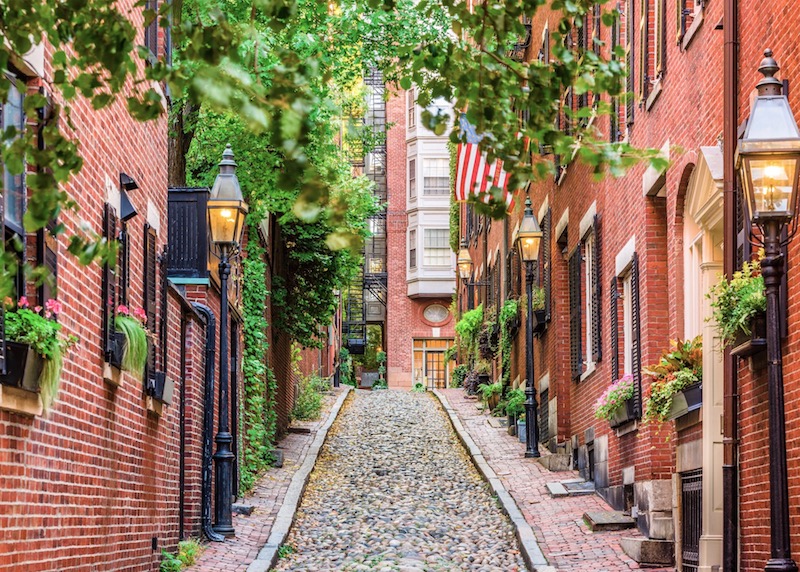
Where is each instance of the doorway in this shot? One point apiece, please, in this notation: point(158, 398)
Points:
point(430, 366)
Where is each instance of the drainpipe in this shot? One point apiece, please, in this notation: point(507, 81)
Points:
point(730, 479)
point(208, 420)
point(182, 462)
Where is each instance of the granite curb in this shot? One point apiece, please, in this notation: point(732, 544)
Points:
point(268, 555)
point(531, 552)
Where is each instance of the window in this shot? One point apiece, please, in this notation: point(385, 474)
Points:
point(151, 31)
point(411, 105)
point(412, 248)
point(652, 49)
point(631, 331)
point(690, 16)
point(437, 247)
point(412, 179)
point(627, 325)
point(436, 177)
point(14, 185)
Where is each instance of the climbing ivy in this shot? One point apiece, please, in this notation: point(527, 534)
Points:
point(508, 313)
point(259, 382)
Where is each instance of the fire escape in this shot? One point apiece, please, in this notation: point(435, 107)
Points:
point(366, 296)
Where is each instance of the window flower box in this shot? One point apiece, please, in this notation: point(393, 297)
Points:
point(23, 367)
point(623, 414)
point(746, 345)
point(685, 401)
point(539, 323)
point(117, 347)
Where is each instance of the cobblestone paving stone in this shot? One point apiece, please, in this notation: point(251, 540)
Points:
point(558, 523)
point(394, 490)
point(235, 554)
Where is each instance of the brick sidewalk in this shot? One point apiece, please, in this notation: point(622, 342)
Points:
point(252, 532)
point(558, 524)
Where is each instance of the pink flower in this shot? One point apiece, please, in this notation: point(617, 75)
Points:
point(123, 310)
point(37, 309)
point(23, 302)
point(140, 314)
point(53, 306)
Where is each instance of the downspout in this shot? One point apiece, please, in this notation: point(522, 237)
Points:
point(182, 461)
point(730, 479)
point(208, 420)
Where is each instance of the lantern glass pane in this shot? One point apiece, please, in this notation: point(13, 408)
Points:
point(771, 119)
point(529, 247)
point(224, 222)
point(464, 270)
point(773, 181)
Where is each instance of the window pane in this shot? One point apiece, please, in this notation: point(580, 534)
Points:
point(13, 184)
point(436, 177)
point(437, 238)
point(412, 178)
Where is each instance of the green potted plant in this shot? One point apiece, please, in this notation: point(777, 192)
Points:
point(677, 382)
point(539, 312)
point(739, 308)
point(514, 406)
point(491, 393)
point(616, 405)
point(134, 353)
point(34, 348)
point(381, 359)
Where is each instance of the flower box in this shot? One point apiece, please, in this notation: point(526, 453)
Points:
point(23, 367)
point(686, 401)
point(747, 345)
point(539, 322)
point(116, 349)
point(623, 414)
point(160, 387)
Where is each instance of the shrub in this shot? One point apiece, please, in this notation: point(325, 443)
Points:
point(189, 551)
point(308, 404)
point(169, 563)
point(458, 375)
point(515, 402)
point(471, 382)
point(135, 357)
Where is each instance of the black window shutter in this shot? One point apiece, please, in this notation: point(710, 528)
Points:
point(576, 355)
point(547, 235)
point(636, 342)
point(47, 257)
point(597, 289)
point(109, 286)
point(124, 263)
point(163, 331)
point(150, 272)
point(614, 329)
point(742, 230)
point(151, 31)
point(150, 287)
point(629, 63)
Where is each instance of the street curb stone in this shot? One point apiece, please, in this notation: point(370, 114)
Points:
point(268, 555)
point(531, 552)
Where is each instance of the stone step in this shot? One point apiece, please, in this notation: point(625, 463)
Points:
point(601, 520)
point(649, 552)
point(576, 488)
point(556, 462)
point(557, 490)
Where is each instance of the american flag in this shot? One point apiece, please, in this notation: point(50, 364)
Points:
point(474, 176)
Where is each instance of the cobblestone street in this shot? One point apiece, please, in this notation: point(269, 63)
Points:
point(393, 489)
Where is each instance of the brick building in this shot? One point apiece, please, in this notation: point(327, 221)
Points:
point(120, 467)
point(420, 264)
point(626, 264)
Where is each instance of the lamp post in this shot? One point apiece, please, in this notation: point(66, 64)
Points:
point(767, 158)
point(465, 265)
point(226, 212)
point(528, 239)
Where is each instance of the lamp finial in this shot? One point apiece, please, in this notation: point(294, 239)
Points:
point(770, 85)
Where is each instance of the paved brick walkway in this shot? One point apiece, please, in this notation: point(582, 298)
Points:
point(558, 524)
point(252, 532)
